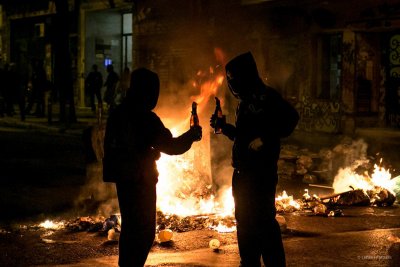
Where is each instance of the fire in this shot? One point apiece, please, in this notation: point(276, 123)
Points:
point(207, 88)
point(347, 178)
point(48, 224)
point(184, 186)
point(223, 228)
point(286, 203)
point(382, 177)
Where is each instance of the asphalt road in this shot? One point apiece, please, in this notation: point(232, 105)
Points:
point(364, 236)
point(36, 167)
point(44, 172)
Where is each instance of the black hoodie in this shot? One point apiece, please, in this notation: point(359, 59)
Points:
point(261, 113)
point(135, 135)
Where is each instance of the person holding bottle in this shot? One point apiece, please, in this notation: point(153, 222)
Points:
point(134, 138)
point(262, 118)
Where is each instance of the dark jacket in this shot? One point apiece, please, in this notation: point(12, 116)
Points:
point(93, 82)
point(135, 135)
point(255, 118)
point(260, 114)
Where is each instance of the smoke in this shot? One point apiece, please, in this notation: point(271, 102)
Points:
point(96, 197)
point(188, 56)
point(357, 171)
point(348, 179)
point(348, 152)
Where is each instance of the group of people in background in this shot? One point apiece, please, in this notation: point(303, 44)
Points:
point(27, 96)
point(31, 95)
point(115, 87)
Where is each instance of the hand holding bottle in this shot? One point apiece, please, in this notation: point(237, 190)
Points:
point(196, 133)
point(217, 120)
point(195, 128)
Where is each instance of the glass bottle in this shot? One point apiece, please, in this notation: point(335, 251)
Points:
point(194, 118)
point(218, 116)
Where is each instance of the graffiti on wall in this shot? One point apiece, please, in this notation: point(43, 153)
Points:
point(319, 115)
point(393, 90)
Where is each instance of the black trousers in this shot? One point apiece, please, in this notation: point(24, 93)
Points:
point(258, 232)
point(137, 205)
point(97, 94)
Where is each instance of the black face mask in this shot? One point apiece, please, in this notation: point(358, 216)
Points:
point(237, 86)
point(242, 75)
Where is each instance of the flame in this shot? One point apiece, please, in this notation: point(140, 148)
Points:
point(284, 202)
point(183, 190)
point(208, 88)
point(184, 185)
point(347, 178)
point(223, 228)
point(48, 224)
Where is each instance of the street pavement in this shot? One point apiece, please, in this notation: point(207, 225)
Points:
point(85, 118)
point(363, 236)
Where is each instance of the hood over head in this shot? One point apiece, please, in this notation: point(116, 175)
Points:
point(144, 89)
point(242, 75)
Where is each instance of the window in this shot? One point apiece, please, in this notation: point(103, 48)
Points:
point(329, 66)
point(127, 40)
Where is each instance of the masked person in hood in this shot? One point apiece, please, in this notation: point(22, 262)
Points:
point(133, 140)
point(262, 118)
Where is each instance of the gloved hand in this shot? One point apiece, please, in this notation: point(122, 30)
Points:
point(216, 121)
point(256, 144)
point(195, 133)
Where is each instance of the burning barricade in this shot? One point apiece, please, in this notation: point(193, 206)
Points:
point(312, 204)
point(353, 186)
point(356, 186)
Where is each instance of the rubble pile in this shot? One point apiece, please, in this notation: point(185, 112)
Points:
point(302, 164)
point(190, 223)
point(378, 196)
point(381, 196)
point(86, 223)
point(175, 223)
point(312, 204)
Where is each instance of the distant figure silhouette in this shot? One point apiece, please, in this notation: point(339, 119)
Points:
point(93, 85)
point(134, 138)
point(39, 86)
point(111, 87)
point(14, 92)
point(262, 118)
point(123, 85)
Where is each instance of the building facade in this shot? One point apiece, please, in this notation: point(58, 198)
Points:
point(338, 62)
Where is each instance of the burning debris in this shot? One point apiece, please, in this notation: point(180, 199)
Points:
point(377, 196)
point(52, 225)
point(312, 204)
point(358, 182)
point(375, 189)
point(87, 223)
point(197, 222)
point(285, 203)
